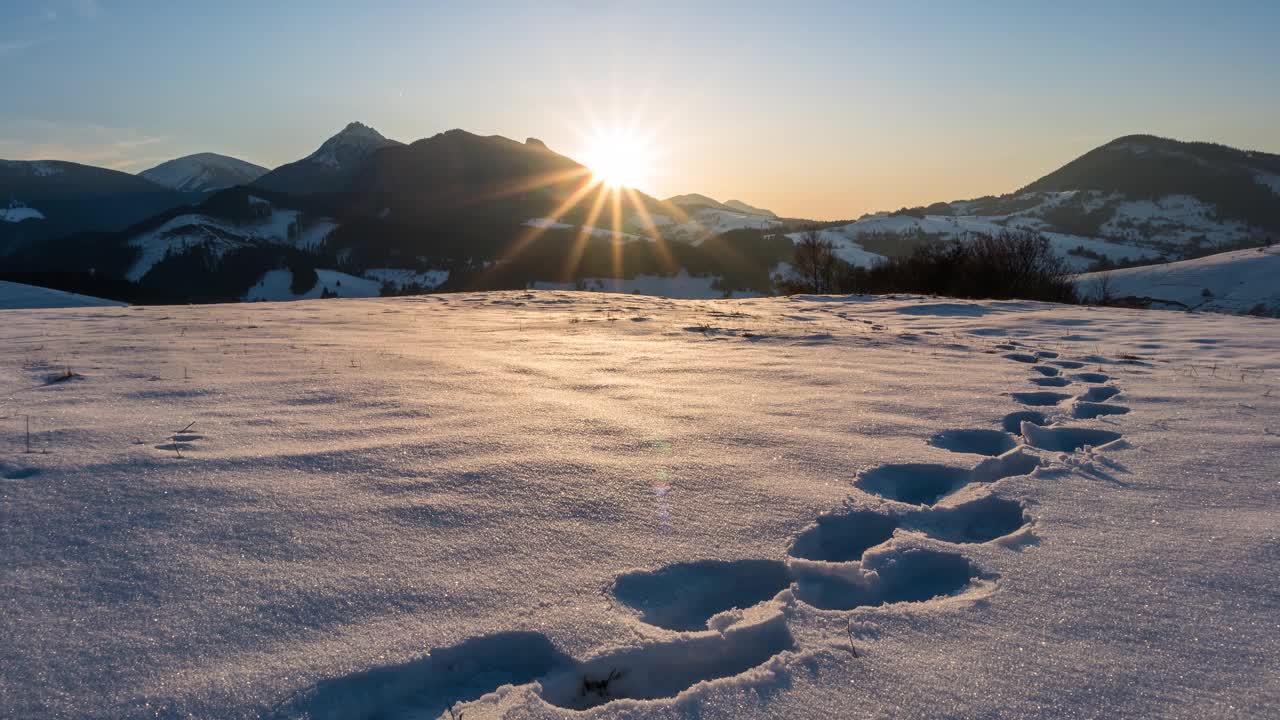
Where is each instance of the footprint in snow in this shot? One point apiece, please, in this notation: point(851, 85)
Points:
point(1039, 399)
point(844, 560)
point(18, 473)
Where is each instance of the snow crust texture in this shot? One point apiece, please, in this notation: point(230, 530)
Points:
point(543, 504)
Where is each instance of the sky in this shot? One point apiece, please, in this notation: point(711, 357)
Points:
point(812, 109)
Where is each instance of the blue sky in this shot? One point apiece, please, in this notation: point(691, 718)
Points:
point(809, 108)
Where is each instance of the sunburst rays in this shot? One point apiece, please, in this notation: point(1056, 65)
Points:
point(619, 156)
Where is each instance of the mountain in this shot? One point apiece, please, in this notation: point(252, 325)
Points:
point(454, 210)
point(1242, 185)
point(45, 199)
point(332, 167)
point(1138, 198)
point(455, 173)
point(204, 172)
point(694, 202)
point(748, 209)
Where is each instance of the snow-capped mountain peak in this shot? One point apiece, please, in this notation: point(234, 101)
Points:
point(356, 141)
point(203, 172)
point(331, 167)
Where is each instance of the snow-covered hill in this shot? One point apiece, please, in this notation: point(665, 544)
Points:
point(528, 504)
point(1081, 251)
point(1137, 197)
point(216, 236)
point(1236, 282)
point(204, 172)
point(17, 296)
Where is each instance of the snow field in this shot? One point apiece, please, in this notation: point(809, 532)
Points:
point(534, 504)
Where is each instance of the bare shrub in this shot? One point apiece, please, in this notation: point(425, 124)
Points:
point(1005, 265)
point(816, 263)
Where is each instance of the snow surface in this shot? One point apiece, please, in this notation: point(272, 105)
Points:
point(1236, 281)
point(507, 505)
point(846, 247)
point(274, 285)
point(680, 285)
point(18, 213)
point(708, 222)
point(17, 296)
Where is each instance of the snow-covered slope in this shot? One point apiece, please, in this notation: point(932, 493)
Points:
point(1236, 282)
point(217, 236)
point(523, 504)
point(1079, 250)
point(846, 246)
point(204, 172)
point(17, 212)
point(700, 224)
point(17, 296)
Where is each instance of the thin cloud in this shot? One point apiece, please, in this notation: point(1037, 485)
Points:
point(10, 47)
point(124, 149)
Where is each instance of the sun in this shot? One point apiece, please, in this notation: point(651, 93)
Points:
point(619, 159)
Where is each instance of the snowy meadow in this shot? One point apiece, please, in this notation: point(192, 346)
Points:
point(551, 504)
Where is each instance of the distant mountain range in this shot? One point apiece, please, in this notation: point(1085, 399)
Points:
point(458, 210)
